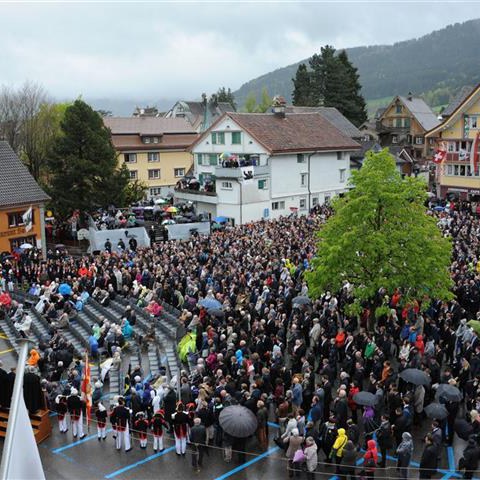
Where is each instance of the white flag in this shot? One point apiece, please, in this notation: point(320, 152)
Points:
point(24, 462)
point(28, 219)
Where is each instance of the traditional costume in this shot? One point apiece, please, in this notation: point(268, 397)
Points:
point(75, 408)
point(180, 422)
point(61, 408)
point(157, 423)
point(101, 415)
point(141, 426)
point(121, 417)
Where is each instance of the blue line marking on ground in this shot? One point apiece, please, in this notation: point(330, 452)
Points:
point(451, 459)
point(273, 424)
point(247, 464)
point(78, 442)
point(140, 462)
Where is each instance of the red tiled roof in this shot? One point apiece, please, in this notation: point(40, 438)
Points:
point(294, 133)
point(147, 125)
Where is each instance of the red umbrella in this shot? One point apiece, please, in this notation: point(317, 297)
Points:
point(5, 299)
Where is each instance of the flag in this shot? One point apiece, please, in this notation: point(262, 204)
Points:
point(474, 154)
point(86, 388)
point(27, 218)
point(440, 153)
point(24, 458)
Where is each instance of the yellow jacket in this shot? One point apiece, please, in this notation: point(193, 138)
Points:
point(340, 442)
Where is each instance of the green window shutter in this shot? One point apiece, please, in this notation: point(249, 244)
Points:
point(221, 138)
point(200, 178)
point(407, 123)
point(213, 159)
point(236, 138)
point(199, 158)
point(214, 138)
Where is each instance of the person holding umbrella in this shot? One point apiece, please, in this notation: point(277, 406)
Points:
point(469, 460)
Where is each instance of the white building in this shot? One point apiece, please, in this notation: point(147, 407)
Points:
point(279, 163)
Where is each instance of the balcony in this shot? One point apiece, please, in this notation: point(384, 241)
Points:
point(224, 172)
point(196, 195)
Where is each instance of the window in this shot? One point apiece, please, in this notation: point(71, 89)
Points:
point(473, 122)
point(218, 138)
point(398, 109)
point(179, 172)
point(303, 204)
point(315, 201)
point(146, 139)
point(227, 185)
point(342, 175)
point(199, 158)
point(339, 155)
point(398, 122)
point(133, 174)
point(409, 138)
point(212, 159)
point(278, 205)
point(263, 184)
point(394, 139)
point(418, 140)
point(16, 242)
point(155, 191)
point(155, 139)
point(154, 174)
point(153, 157)
point(300, 158)
point(15, 219)
point(303, 179)
point(451, 147)
point(130, 157)
point(406, 122)
point(449, 169)
point(236, 138)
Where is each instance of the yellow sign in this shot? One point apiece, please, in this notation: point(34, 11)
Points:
point(49, 213)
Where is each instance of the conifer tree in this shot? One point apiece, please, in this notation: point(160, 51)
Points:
point(302, 87)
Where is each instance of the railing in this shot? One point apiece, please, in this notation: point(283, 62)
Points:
point(196, 192)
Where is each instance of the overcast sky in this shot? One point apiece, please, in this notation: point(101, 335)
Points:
point(178, 50)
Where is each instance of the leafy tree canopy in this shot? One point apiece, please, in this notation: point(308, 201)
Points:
point(84, 171)
point(381, 237)
point(224, 95)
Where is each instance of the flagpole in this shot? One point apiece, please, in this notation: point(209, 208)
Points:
point(14, 409)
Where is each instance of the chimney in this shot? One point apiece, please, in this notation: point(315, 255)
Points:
point(409, 96)
point(279, 105)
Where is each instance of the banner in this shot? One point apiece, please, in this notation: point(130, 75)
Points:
point(27, 218)
point(247, 174)
point(474, 155)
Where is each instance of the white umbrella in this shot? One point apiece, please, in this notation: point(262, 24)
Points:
point(26, 246)
point(160, 201)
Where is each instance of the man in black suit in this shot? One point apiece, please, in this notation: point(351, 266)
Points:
point(198, 439)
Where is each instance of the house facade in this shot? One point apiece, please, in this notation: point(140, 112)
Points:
point(254, 166)
point(402, 126)
point(18, 193)
point(154, 149)
point(455, 177)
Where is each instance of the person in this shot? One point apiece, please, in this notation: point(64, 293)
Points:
point(141, 426)
point(198, 439)
point(327, 436)
point(370, 459)
point(311, 457)
point(120, 417)
point(61, 408)
point(180, 422)
point(348, 462)
point(32, 390)
point(101, 415)
point(75, 408)
point(158, 423)
point(108, 246)
point(384, 439)
point(404, 455)
point(133, 243)
point(294, 442)
point(338, 446)
point(469, 460)
point(429, 460)
point(262, 418)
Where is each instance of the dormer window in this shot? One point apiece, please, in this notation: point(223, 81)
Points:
point(146, 140)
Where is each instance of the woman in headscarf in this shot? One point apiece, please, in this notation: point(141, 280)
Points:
point(404, 455)
point(311, 457)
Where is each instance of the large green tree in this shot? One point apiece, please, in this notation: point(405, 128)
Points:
point(226, 95)
point(381, 236)
point(84, 171)
point(302, 92)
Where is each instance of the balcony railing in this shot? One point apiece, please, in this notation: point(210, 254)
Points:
point(196, 192)
point(224, 172)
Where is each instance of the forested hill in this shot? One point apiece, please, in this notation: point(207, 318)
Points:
point(435, 65)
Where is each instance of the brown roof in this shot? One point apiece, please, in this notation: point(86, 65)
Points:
point(166, 142)
point(298, 132)
point(147, 125)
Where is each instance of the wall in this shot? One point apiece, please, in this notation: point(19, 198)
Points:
point(99, 237)
point(7, 233)
point(181, 231)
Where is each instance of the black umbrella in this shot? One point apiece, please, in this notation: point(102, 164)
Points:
point(238, 421)
point(448, 392)
point(415, 376)
point(216, 312)
point(463, 428)
point(301, 300)
point(436, 410)
point(366, 399)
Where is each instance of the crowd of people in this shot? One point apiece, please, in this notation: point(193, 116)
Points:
point(299, 364)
